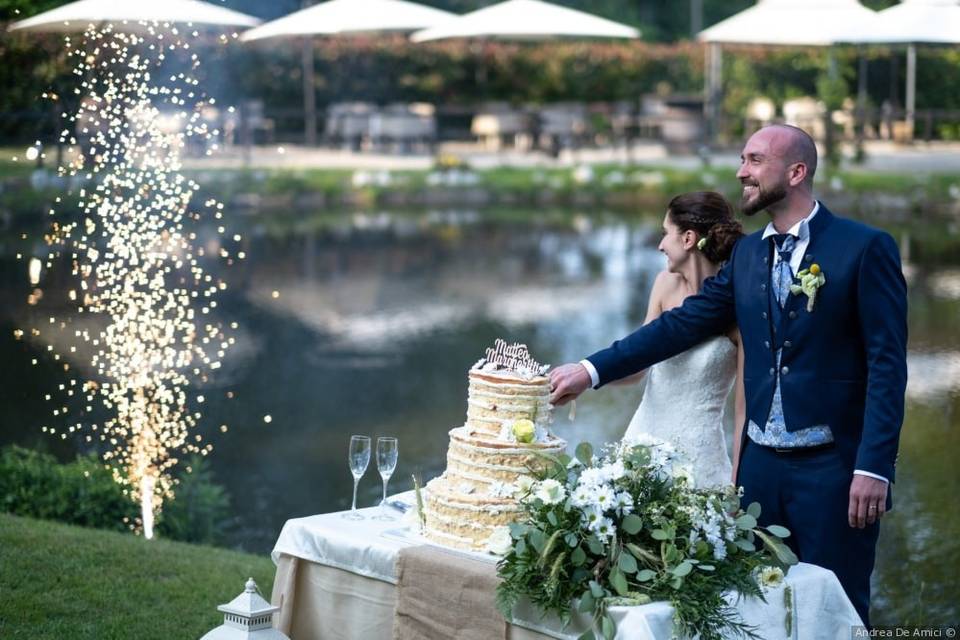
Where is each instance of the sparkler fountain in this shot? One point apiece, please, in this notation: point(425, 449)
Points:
point(134, 257)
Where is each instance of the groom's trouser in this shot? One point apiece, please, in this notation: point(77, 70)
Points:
point(808, 492)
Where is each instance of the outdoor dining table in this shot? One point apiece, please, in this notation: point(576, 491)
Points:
point(337, 579)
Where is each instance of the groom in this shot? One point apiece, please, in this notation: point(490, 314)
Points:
point(824, 377)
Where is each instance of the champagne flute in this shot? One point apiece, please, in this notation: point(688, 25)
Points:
point(359, 458)
point(386, 463)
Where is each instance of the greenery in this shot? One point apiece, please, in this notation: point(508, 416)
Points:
point(628, 528)
point(61, 581)
point(386, 69)
point(84, 493)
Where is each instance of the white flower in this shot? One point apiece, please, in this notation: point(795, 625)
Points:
point(603, 497)
point(574, 463)
point(719, 550)
point(771, 577)
point(525, 484)
point(614, 471)
point(499, 542)
point(604, 528)
point(592, 477)
point(582, 497)
point(624, 503)
point(550, 491)
point(591, 515)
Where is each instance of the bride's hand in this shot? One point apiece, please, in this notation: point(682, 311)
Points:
point(567, 382)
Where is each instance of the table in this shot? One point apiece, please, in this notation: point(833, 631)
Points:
point(335, 581)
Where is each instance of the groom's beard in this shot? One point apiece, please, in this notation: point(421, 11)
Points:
point(763, 199)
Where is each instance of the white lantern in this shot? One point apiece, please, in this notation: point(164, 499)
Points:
point(247, 617)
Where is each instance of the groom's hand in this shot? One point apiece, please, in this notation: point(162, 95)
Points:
point(567, 382)
point(868, 501)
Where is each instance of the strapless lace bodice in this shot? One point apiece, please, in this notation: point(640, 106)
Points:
point(684, 404)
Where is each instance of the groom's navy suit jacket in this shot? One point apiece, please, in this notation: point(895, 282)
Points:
point(843, 364)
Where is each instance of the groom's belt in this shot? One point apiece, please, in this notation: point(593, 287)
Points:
point(796, 451)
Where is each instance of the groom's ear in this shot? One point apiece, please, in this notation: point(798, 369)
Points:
point(797, 173)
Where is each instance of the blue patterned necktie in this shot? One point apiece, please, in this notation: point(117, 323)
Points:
point(782, 275)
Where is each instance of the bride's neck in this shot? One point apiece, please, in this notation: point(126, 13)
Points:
point(697, 269)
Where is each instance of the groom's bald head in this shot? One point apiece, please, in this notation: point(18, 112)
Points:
point(794, 145)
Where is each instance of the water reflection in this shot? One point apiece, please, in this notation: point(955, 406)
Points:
point(367, 323)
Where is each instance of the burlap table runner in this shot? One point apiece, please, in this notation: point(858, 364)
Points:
point(443, 594)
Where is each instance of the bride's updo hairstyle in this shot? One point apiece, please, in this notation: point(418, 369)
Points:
point(710, 216)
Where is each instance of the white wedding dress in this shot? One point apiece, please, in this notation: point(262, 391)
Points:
point(684, 404)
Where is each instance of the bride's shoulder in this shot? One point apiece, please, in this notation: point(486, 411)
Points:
point(667, 282)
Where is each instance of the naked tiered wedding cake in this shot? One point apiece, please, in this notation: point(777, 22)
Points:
point(508, 419)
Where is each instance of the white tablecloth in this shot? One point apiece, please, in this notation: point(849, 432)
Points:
point(819, 608)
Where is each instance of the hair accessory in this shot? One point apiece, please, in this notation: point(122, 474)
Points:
point(701, 243)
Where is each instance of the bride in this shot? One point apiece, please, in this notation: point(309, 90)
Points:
point(685, 396)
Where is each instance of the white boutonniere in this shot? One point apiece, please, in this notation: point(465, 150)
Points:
point(810, 281)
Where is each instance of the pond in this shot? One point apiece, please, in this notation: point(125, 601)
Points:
point(367, 322)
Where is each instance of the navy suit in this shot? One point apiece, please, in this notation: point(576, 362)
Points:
point(843, 365)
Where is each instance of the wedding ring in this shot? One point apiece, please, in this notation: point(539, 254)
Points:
point(873, 507)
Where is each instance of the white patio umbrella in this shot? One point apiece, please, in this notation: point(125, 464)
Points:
point(816, 23)
point(915, 22)
point(342, 18)
point(526, 20)
point(77, 16)
point(345, 17)
point(794, 22)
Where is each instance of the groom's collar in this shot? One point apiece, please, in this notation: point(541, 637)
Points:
point(801, 230)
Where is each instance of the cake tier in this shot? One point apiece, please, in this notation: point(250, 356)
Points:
point(477, 460)
point(465, 505)
point(495, 397)
point(464, 520)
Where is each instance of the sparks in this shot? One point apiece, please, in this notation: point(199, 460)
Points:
point(134, 261)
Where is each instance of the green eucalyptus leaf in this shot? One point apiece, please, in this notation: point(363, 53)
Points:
point(584, 453)
point(706, 567)
point(587, 602)
point(677, 582)
point(538, 539)
point(682, 569)
point(632, 524)
point(587, 635)
point(627, 563)
point(595, 546)
point(645, 575)
point(618, 581)
point(578, 557)
point(571, 539)
point(659, 534)
point(754, 509)
point(746, 521)
point(597, 591)
point(609, 628)
point(521, 547)
point(552, 518)
point(780, 532)
point(744, 544)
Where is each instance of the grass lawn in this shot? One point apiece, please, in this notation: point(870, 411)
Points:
point(63, 582)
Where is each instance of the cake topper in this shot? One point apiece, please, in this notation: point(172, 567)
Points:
point(514, 357)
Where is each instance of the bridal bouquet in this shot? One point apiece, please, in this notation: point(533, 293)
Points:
point(627, 527)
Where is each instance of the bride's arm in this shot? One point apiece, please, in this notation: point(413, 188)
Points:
point(739, 408)
point(654, 309)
